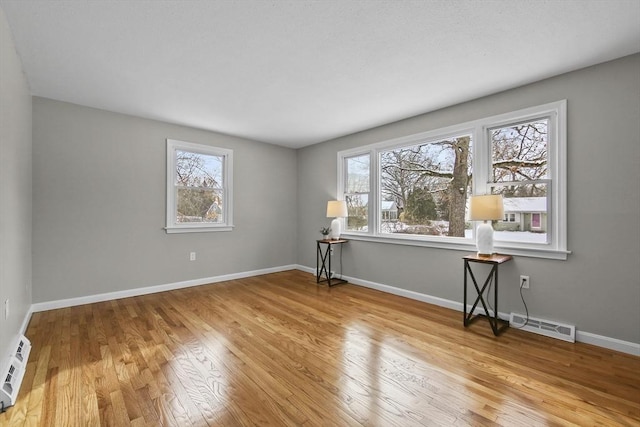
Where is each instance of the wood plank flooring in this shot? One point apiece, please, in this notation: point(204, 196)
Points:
point(278, 350)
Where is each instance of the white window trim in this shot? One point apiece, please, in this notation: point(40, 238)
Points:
point(172, 226)
point(557, 198)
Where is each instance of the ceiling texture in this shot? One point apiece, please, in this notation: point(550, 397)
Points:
point(295, 73)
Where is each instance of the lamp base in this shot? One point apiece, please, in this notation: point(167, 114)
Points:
point(334, 234)
point(484, 239)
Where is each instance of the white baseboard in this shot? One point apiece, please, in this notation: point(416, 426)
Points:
point(610, 343)
point(584, 337)
point(25, 322)
point(306, 269)
point(71, 302)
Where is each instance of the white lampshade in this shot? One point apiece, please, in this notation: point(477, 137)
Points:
point(336, 209)
point(485, 208)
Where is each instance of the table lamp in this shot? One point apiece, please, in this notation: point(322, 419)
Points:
point(485, 208)
point(336, 209)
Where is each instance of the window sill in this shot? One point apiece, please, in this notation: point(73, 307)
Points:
point(198, 229)
point(460, 245)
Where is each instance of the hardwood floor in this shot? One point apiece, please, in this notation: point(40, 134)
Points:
point(278, 350)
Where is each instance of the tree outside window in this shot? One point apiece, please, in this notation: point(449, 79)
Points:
point(199, 187)
point(429, 183)
point(519, 171)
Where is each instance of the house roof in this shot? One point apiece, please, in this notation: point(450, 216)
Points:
point(387, 205)
point(525, 204)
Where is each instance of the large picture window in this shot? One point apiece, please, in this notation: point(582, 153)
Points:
point(415, 190)
point(424, 187)
point(199, 179)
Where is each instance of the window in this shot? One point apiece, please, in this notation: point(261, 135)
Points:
point(415, 190)
point(509, 217)
point(199, 182)
point(428, 182)
point(520, 172)
point(356, 191)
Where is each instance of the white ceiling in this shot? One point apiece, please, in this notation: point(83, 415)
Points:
point(295, 73)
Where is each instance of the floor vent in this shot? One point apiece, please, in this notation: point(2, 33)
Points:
point(16, 365)
point(543, 327)
point(23, 346)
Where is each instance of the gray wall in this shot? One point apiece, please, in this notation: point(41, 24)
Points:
point(99, 205)
point(598, 287)
point(15, 190)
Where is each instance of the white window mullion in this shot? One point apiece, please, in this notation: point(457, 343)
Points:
point(482, 161)
point(374, 204)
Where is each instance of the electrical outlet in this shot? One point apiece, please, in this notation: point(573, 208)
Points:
point(6, 309)
point(525, 282)
point(192, 256)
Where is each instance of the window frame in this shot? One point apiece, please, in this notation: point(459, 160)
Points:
point(343, 177)
point(172, 226)
point(556, 246)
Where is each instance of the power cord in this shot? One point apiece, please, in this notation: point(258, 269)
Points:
point(489, 293)
point(340, 262)
point(526, 309)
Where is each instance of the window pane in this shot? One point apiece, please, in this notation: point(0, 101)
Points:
point(357, 174)
point(199, 205)
point(424, 187)
point(525, 207)
point(357, 192)
point(519, 152)
point(198, 170)
point(357, 209)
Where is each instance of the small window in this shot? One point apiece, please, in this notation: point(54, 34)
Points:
point(509, 217)
point(199, 181)
point(356, 191)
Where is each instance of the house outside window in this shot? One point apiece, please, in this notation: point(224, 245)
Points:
point(199, 183)
point(427, 178)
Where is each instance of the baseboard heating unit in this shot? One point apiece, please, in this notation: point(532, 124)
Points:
point(547, 328)
point(14, 368)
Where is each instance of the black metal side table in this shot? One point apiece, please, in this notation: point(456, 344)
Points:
point(497, 325)
point(323, 261)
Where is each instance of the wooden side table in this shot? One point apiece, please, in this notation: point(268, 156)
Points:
point(497, 325)
point(323, 261)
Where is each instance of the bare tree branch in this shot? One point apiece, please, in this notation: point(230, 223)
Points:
point(515, 163)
